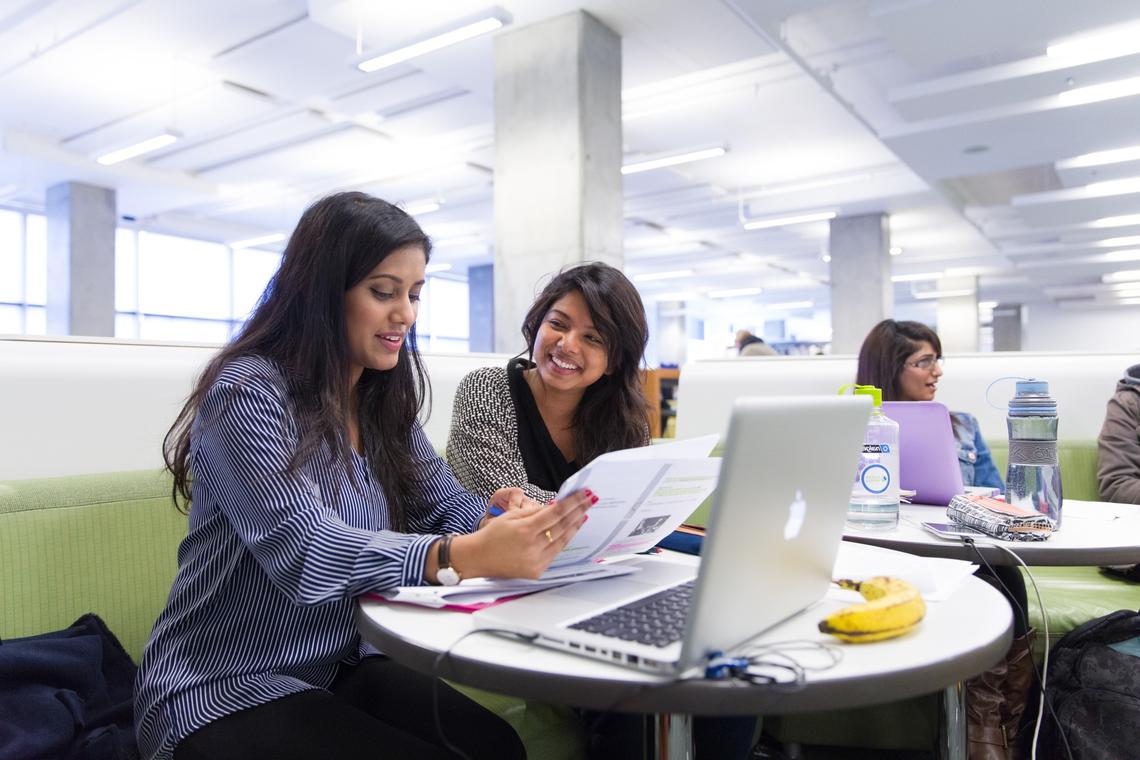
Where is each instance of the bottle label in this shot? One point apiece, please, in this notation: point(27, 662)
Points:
point(1033, 452)
point(875, 478)
point(876, 448)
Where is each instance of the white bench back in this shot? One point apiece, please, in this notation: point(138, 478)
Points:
point(71, 406)
point(1082, 384)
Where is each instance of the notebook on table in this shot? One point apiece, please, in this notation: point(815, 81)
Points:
point(772, 538)
point(928, 451)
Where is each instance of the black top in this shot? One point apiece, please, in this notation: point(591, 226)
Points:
point(545, 465)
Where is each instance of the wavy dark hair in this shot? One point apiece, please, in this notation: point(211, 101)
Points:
point(613, 413)
point(299, 323)
point(884, 352)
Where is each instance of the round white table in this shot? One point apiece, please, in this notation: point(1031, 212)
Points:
point(960, 637)
point(1092, 533)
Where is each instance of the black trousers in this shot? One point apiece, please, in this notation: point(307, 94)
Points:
point(378, 709)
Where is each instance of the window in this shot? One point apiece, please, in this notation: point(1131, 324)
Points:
point(174, 288)
point(444, 322)
point(23, 273)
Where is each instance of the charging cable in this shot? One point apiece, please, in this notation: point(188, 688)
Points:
point(1043, 674)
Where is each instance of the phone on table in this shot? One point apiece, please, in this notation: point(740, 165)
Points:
point(951, 530)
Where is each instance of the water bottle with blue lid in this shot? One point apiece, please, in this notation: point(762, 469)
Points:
point(1033, 479)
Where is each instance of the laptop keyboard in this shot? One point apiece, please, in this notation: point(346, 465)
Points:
point(656, 620)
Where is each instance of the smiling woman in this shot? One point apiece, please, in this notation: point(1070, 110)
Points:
point(310, 482)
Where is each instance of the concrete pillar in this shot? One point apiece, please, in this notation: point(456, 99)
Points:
point(958, 314)
point(80, 259)
point(1007, 324)
point(481, 308)
point(558, 154)
point(861, 291)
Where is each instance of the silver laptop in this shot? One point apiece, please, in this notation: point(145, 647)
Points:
point(770, 546)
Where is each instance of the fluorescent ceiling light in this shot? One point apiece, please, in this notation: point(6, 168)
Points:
point(1095, 93)
point(896, 250)
point(987, 305)
point(1126, 275)
point(790, 305)
point(440, 267)
point(826, 258)
point(920, 277)
point(784, 221)
point(138, 149)
point(1128, 254)
point(419, 208)
point(1101, 157)
point(1117, 241)
point(663, 275)
point(460, 34)
point(1125, 220)
point(253, 242)
point(1110, 187)
point(1114, 43)
point(735, 292)
point(945, 293)
point(672, 160)
point(676, 295)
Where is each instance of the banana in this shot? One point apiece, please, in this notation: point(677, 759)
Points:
point(893, 607)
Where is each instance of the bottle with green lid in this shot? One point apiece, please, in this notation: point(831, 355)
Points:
point(874, 504)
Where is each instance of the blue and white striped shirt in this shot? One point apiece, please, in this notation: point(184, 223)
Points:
point(263, 600)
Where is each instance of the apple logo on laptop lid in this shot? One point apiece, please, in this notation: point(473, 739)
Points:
point(796, 511)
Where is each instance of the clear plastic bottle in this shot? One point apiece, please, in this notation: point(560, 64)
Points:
point(1033, 479)
point(874, 504)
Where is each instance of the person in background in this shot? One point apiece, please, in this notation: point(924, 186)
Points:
point(537, 421)
point(310, 482)
point(748, 344)
point(1118, 445)
point(904, 359)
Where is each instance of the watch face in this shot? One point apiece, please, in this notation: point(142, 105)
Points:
point(447, 576)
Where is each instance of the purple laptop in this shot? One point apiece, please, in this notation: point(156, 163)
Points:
point(928, 453)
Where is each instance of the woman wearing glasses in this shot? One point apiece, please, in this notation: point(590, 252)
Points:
point(904, 359)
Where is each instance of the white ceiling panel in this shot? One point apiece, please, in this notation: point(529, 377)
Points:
point(1028, 134)
point(255, 138)
point(996, 86)
point(271, 63)
point(935, 34)
point(344, 152)
point(206, 111)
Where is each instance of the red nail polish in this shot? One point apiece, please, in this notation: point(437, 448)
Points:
point(593, 499)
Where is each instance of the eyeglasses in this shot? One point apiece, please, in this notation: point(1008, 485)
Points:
point(927, 362)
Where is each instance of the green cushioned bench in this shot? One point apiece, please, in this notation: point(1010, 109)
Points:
point(108, 544)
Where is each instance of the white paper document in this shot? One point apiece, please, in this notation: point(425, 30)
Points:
point(478, 591)
point(643, 495)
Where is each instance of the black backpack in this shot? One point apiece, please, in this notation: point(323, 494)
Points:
point(1094, 686)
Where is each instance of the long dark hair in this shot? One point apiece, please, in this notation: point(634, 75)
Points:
point(884, 352)
point(613, 413)
point(299, 323)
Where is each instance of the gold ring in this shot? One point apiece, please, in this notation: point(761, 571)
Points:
point(549, 537)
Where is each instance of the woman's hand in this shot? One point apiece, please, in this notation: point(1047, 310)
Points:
point(523, 541)
point(504, 500)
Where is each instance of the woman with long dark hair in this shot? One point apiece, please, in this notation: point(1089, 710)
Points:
point(537, 421)
point(309, 482)
point(904, 359)
point(577, 394)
